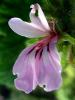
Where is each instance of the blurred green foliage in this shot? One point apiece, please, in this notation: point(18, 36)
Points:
point(11, 44)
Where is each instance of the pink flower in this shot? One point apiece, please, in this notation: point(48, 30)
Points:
point(40, 63)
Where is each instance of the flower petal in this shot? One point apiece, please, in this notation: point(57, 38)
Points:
point(25, 29)
point(55, 57)
point(53, 79)
point(41, 17)
point(20, 64)
point(40, 69)
point(35, 19)
point(48, 73)
point(25, 83)
point(25, 70)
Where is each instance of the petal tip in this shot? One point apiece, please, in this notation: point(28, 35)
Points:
point(12, 20)
point(20, 86)
point(32, 6)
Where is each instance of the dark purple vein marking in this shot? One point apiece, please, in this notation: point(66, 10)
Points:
point(36, 52)
point(48, 47)
point(40, 53)
point(30, 50)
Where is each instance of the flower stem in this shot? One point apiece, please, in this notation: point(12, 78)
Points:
point(67, 37)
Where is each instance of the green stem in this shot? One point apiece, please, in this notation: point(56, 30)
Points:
point(67, 37)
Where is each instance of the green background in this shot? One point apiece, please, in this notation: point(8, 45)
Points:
point(11, 44)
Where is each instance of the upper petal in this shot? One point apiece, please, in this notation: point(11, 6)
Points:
point(26, 29)
point(40, 20)
point(35, 19)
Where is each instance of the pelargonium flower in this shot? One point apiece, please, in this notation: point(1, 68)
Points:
point(38, 64)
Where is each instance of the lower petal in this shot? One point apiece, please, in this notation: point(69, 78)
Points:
point(52, 79)
point(25, 82)
point(20, 65)
point(25, 70)
point(40, 69)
